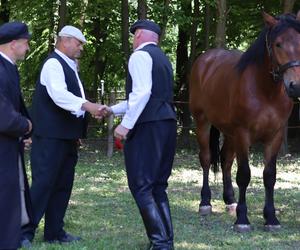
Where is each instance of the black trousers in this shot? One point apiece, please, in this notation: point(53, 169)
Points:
point(149, 152)
point(53, 164)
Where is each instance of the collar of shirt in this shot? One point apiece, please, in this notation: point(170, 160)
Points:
point(6, 57)
point(68, 60)
point(144, 44)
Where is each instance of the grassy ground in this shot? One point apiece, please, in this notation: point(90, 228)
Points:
point(103, 212)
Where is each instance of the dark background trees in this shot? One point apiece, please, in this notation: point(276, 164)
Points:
point(189, 27)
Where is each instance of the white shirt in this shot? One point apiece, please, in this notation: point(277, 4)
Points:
point(53, 78)
point(140, 69)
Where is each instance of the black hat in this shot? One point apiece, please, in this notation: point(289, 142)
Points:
point(147, 25)
point(13, 31)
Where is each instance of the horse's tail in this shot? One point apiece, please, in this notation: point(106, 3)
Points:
point(214, 148)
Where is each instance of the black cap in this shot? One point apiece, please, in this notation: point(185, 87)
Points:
point(13, 31)
point(146, 25)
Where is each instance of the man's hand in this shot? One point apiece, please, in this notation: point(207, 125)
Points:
point(121, 132)
point(29, 127)
point(92, 108)
point(104, 111)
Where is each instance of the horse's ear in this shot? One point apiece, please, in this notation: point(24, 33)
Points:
point(298, 15)
point(269, 20)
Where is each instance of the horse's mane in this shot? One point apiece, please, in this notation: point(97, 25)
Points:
point(256, 52)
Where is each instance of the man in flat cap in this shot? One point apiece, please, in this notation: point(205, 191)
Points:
point(149, 130)
point(15, 124)
point(59, 117)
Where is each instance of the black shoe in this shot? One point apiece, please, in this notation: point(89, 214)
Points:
point(25, 243)
point(67, 238)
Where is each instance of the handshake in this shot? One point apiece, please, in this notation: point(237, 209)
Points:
point(98, 111)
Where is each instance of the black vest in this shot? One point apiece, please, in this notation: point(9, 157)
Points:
point(49, 120)
point(160, 105)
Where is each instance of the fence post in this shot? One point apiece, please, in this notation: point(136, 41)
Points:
point(110, 126)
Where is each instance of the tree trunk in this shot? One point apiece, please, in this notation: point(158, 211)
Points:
point(110, 127)
point(52, 10)
point(164, 19)
point(125, 33)
point(4, 11)
point(142, 9)
point(207, 21)
point(221, 24)
point(182, 65)
point(62, 12)
point(100, 33)
point(196, 21)
point(288, 6)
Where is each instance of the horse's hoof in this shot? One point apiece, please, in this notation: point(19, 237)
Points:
point(272, 228)
point(231, 208)
point(205, 210)
point(242, 228)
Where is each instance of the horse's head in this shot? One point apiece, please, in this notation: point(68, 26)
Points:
point(283, 44)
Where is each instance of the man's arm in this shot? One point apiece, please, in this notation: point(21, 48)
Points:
point(12, 123)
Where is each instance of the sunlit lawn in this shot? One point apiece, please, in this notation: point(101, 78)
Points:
point(103, 212)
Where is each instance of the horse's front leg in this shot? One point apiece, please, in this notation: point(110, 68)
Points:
point(203, 131)
point(227, 157)
point(270, 157)
point(241, 143)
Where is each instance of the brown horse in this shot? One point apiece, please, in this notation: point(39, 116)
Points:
point(247, 97)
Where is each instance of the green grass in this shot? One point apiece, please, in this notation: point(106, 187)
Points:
point(102, 211)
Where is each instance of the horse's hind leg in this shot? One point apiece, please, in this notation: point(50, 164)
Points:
point(227, 157)
point(203, 131)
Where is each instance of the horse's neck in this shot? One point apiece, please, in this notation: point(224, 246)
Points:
point(265, 80)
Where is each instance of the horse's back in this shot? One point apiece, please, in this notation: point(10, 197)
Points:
point(213, 63)
point(212, 77)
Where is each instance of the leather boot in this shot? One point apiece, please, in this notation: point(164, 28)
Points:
point(165, 213)
point(154, 227)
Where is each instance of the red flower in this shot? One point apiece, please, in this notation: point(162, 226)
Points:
point(118, 143)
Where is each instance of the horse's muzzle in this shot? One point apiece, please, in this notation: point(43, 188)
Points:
point(292, 88)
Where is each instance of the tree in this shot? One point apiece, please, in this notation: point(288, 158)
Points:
point(125, 29)
point(62, 14)
point(207, 24)
point(182, 68)
point(142, 9)
point(4, 11)
point(288, 6)
point(221, 24)
point(164, 19)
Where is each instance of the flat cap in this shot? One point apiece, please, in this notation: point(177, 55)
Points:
point(145, 24)
point(71, 31)
point(13, 31)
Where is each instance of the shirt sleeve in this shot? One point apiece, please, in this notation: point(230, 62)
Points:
point(120, 108)
point(140, 69)
point(53, 78)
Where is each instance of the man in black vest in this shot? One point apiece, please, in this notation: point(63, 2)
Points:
point(15, 124)
point(149, 128)
point(59, 121)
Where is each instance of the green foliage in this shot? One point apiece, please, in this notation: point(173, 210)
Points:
point(100, 21)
